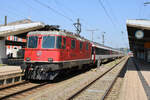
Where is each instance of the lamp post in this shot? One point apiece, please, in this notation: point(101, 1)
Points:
point(103, 37)
point(146, 3)
point(99, 38)
point(92, 31)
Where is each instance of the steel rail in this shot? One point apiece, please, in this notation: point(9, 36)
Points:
point(10, 79)
point(85, 87)
point(2, 87)
point(112, 84)
point(15, 93)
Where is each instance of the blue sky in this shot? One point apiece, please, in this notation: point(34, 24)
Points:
point(90, 12)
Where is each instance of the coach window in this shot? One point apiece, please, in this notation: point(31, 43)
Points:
point(48, 42)
point(81, 45)
point(58, 42)
point(64, 43)
point(87, 46)
point(73, 44)
point(32, 42)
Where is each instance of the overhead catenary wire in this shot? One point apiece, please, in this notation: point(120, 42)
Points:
point(72, 13)
point(141, 8)
point(55, 11)
point(115, 17)
point(67, 8)
point(58, 4)
point(113, 14)
point(33, 7)
point(106, 12)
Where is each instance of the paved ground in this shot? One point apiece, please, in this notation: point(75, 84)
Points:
point(145, 70)
point(132, 88)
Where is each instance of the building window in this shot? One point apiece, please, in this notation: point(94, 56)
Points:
point(73, 44)
point(15, 38)
point(11, 37)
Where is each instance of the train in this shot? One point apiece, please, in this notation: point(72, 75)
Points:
point(50, 52)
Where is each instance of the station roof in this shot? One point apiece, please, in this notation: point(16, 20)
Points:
point(16, 29)
point(138, 25)
point(20, 29)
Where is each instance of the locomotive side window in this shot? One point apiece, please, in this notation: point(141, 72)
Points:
point(48, 42)
point(81, 45)
point(73, 43)
point(58, 43)
point(64, 41)
point(32, 42)
point(87, 46)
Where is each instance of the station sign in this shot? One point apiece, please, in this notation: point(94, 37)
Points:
point(147, 45)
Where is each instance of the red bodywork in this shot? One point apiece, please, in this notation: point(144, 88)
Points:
point(40, 54)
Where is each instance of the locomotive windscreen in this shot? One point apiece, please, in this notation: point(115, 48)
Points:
point(48, 42)
point(32, 42)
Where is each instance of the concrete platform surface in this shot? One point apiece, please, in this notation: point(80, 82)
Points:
point(5, 70)
point(136, 82)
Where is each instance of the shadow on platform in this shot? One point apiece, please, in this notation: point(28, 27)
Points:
point(142, 65)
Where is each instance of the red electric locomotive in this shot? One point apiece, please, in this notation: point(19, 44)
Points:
point(49, 52)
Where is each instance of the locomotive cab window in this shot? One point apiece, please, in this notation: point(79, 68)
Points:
point(59, 42)
point(32, 42)
point(81, 45)
point(48, 42)
point(73, 43)
point(87, 46)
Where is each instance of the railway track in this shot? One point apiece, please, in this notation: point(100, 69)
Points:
point(15, 91)
point(67, 89)
point(83, 94)
point(81, 87)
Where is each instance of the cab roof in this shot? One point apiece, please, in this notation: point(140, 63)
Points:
point(62, 33)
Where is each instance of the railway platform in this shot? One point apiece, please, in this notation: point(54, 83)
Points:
point(5, 70)
point(10, 75)
point(136, 85)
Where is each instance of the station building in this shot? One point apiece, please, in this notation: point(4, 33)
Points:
point(139, 38)
point(13, 37)
point(13, 50)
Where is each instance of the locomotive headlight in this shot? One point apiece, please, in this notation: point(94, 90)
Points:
point(50, 59)
point(28, 59)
